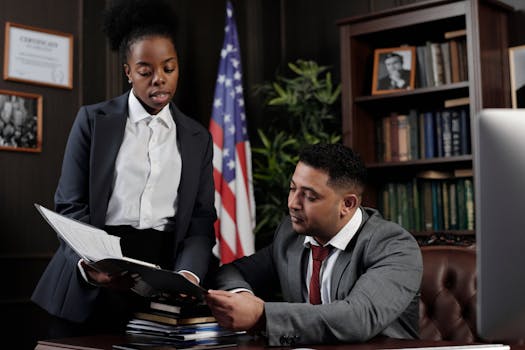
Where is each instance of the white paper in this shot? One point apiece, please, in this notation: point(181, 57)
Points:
point(91, 243)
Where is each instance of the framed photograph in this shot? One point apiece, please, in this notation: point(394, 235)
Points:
point(394, 70)
point(38, 56)
point(20, 121)
point(517, 75)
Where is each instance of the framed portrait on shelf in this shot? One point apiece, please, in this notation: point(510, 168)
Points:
point(38, 56)
point(394, 69)
point(517, 75)
point(20, 121)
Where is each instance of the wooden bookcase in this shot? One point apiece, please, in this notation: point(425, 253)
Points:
point(485, 25)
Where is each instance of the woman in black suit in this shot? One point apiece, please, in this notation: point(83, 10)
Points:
point(138, 168)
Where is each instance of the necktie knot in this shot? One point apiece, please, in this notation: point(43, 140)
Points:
point(319, 253)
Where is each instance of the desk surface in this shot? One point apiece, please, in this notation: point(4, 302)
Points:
point(105, 343)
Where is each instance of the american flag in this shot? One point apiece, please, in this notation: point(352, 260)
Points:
point(232, 156)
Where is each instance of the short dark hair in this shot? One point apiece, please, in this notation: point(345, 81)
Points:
point(393, 54)
point(344, 167)
point(127, 21)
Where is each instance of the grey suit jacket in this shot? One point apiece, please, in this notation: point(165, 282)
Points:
point(375, 285)
point(84, 190)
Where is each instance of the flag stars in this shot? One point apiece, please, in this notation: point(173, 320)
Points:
point(235, 63)
point(231, 129)
point(221, 79)
point(228, 82)
point(240, 102)
point(217, 103)
point(232, 94)
point(243, 116)
point(238, 89)
point(237, 75)
point(226, 153)
point(231, 164)
point(227, 118)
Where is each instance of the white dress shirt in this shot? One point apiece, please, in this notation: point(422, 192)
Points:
point(338, 243)
point(147, 171)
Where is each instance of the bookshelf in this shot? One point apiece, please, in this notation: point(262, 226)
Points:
point(480, 27)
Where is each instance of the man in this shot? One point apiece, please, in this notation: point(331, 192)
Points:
point(369, 282)
point(397, 78)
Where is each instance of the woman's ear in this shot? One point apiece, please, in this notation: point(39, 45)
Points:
point(127, 71)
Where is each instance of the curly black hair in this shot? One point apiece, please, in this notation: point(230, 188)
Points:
point(344, 167)
point(127, 21)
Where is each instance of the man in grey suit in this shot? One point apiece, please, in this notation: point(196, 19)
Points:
point(369, 282)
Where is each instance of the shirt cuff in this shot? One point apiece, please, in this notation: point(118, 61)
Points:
point(238, 290)
point(84, 275)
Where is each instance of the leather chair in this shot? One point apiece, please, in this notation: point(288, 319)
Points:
point(447, 308)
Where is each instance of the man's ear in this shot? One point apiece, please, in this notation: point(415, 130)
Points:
point(350, 203)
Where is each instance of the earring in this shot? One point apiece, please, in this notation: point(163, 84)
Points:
point(129, 81)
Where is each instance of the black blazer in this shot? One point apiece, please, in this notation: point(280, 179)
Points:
point(84, 191)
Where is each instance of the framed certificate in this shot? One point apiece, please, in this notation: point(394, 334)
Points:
point(517, 76)
point(38, 56)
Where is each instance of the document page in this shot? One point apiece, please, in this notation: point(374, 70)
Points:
point(91, 243)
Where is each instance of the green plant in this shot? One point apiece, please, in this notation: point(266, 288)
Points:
point(303, 112)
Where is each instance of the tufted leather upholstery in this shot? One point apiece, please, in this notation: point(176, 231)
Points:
point(447, 308)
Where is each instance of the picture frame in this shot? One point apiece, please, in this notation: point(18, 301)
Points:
point(517, 75)
point(38, 56)
point(394, 70)
point(20, 121)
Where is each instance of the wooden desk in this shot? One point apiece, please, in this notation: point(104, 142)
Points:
point(247, 343)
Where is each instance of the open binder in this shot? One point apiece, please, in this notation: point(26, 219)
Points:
point(102, 251)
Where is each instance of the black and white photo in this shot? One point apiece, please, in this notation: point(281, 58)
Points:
point(394, 69)
point(20, 121)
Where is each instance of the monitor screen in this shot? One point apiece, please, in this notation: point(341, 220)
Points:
point(499, 175)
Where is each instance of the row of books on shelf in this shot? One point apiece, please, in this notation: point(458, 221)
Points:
point(433, 201)
point(445, 62)
point(423, 135)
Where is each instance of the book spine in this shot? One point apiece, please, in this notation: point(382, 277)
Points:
point(454, 61)
point(429, 135)
point(429, 65)
point(403, 137)
point(465, 131)
point(445, 52)
point(421, 66)
point(422, 140)
point(461, 206)
point(394, 137)
point(414, 134)
point(446, 129)
point(469, 203)
point(453, 210)
point(455, 128)
point(439, 133)
point(427, 205)
point(437, 64)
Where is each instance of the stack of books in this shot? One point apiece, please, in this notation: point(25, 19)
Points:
point(187, 325)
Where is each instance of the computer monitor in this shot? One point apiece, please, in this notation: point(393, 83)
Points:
point(499, 175)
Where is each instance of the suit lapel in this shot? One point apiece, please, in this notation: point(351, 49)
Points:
point(190, 167)
point(297, 264)
point(343, 261)
point(108, 133)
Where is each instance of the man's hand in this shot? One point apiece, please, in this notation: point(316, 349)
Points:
point(122, 282)
point(237, 311)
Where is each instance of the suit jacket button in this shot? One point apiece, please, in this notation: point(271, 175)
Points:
point(283, 340)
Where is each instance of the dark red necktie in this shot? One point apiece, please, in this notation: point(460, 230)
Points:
point(318, 255)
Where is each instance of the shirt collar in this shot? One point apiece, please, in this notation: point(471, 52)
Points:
point(138, 113)
point(344, 236)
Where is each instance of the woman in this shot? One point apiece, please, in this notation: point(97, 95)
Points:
point(137, 167)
